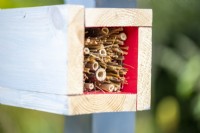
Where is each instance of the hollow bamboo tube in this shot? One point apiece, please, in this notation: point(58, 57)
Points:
point(86, 50)
point(102, 64)
point(107, 87)
point(117, 87)
point(115, 80)
point(122, 36)
point(102, 53)
point(117, 50)
point(95, 46)
point(100, 74)
point(119, 42)
point(119, 58)
point(89, 58)
point(106, 46)
point(115, 30)
point(92, 65)
point(113, 74)
point(86, 70)
point(105, 31)
point(124, 48)
point(114, 67)
point(89, 86)
point(85, 77)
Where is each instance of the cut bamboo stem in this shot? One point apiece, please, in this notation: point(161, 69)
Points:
point(107, 87)
point(86, 50)
point(89, 86)
point(122, 36)
point(102, 53)
point(92, 65)
point(103, 58)
point(101, 74)
point(105, 31)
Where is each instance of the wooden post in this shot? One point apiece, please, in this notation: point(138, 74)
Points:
point(102, 122)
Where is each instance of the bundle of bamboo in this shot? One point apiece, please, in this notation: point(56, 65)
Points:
point(103, 59)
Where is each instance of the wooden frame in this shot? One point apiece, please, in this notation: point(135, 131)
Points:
point(95, 103)
point(69, 99)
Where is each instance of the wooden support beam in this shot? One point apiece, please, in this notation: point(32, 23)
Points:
point(96, 17)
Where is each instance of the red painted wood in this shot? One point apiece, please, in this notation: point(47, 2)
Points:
point(130, 62)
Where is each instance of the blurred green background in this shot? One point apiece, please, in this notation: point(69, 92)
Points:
point(175, 74)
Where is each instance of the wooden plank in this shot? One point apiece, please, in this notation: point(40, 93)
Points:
point(99, 103)
point(75, 32)
point(117, 17)
point(34, 100)
point(144, 68)
point(68, 105)
point(41, 49)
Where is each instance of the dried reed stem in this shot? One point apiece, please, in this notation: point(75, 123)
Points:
point(107, 87)
point(89, 86)
point(86, 50)
point(103, 59)
point(93, 65)
point(100, 74)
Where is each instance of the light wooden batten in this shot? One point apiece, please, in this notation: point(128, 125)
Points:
point(96, 17)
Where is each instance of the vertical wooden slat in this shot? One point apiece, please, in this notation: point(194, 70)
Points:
point(144, 68)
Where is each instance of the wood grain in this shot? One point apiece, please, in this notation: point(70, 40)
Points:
point(68, 105)
point(144, 68)
point(41, 49)
point(75, 32)
point(96, 17)
point(97, 103)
